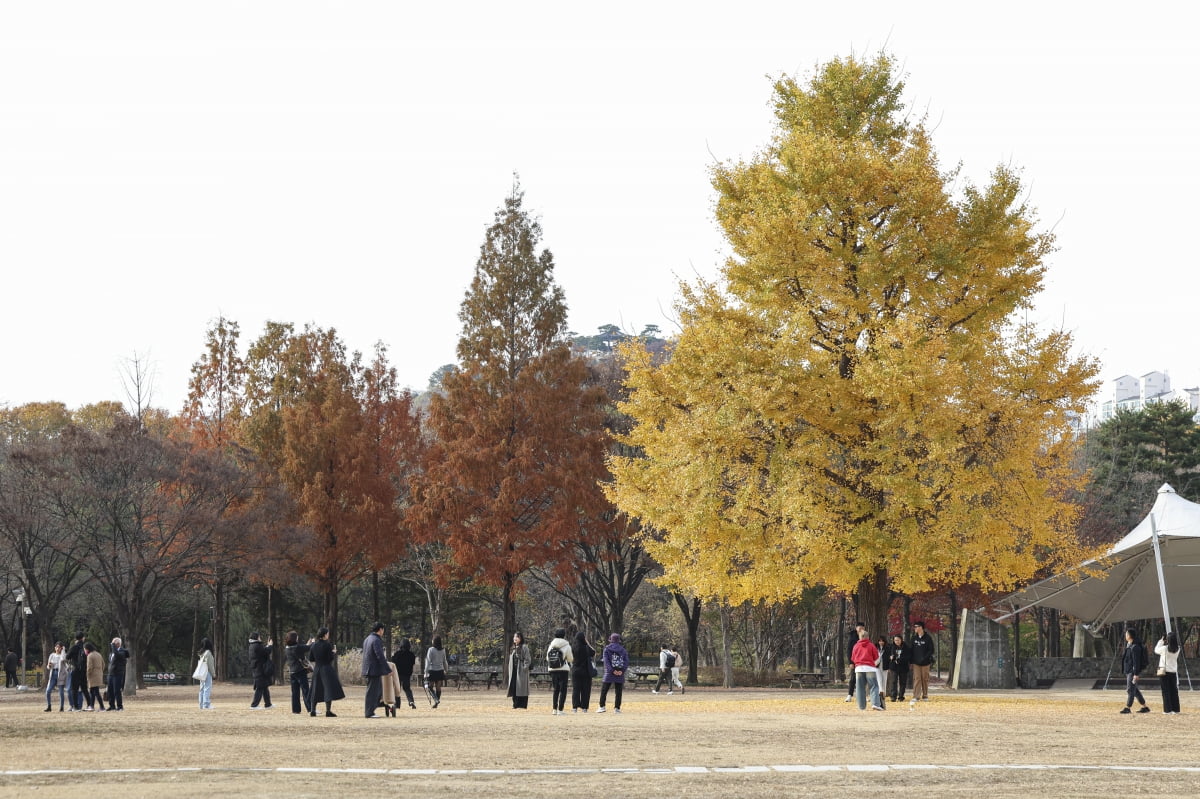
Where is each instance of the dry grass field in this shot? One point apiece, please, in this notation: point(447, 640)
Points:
point(708, 742)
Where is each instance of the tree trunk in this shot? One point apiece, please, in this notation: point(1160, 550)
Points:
point(691, 617)
point(840, 645)
point(873, 598)
point(726, 646)
point(508, 609)
point(954, 621)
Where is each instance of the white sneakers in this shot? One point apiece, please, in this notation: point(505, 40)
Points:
point(600, 710)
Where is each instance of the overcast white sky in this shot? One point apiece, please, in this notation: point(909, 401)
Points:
point(165, 163)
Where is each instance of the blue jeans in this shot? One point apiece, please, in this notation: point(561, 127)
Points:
point(867, 680)
point(206, 692)
point(56, 681)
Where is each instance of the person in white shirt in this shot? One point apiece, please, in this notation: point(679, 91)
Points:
point(56, 677)
point(1167, 650)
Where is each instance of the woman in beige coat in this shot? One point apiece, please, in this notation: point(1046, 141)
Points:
point(95, 677)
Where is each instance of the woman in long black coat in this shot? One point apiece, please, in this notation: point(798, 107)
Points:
point(326, 687)
point(581, 673)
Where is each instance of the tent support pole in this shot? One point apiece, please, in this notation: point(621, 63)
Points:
point(1162, 583)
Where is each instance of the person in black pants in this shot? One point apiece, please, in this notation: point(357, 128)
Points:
point(117, 659)
point(854, 636)
point(374, 667)
point(12, 662)
point(77, 686)
point(298, 668)
point(582, 673)
point(1167, 650)
point(558, 663)
point(1132, 664)
point(262, 669)
point(405, 661)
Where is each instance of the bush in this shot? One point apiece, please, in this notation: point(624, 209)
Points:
point(350, 667)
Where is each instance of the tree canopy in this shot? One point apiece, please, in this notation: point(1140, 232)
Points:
point(855, 402)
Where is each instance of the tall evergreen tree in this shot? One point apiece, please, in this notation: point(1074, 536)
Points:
point(520, 447)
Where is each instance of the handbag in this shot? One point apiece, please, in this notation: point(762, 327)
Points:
point(592, 671)
point(201, 672)
point(1162, 670)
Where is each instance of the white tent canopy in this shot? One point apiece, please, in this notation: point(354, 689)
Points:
point(1128, 585)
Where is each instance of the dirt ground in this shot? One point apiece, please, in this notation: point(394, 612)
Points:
point(708, 742)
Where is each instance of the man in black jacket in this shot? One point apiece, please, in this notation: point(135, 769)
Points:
point(117, 658)
point(374, 666)
point(77, 661)
point(921, 653)
point(263, 670)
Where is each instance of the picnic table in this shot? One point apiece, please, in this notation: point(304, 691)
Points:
point(640, 675)
point(808, 679)
point(471, 677)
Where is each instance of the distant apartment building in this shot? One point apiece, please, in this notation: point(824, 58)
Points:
point(1133, 393)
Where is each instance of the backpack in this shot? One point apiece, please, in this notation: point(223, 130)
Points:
point(617, 663)
point(670, 660)
point(554, 658)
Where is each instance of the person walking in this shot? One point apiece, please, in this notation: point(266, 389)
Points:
point(850, 644)
point(56, 673)
point(374, 667)
point(518, 672)
point(77, 677)
point(559, 658)
point(95, 677)
point(920, 652)
point(326, 686)
point(404, 659)
point(210, 664)
point(263, 670)
point(616, 661)
point(1167, 650)
point(666, 662)
point(435, 671)
point(897, 663)
point(117, 658)
point(583, 670)
point(865, 657)
point(296, 657)
point(675, 671)
point(1132, 663)
point(881, 672)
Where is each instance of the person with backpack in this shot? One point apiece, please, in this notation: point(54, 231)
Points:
point(559, 658)
point(1132, 664)
point(616, 661)
point(666, 662)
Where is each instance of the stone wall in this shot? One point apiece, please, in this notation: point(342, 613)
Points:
point(1034, 669)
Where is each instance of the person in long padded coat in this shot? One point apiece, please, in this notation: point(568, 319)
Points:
point(518, 672)
point(326, 686)
point(581, 673)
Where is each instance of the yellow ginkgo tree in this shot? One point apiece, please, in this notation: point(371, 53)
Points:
point(857, 401)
